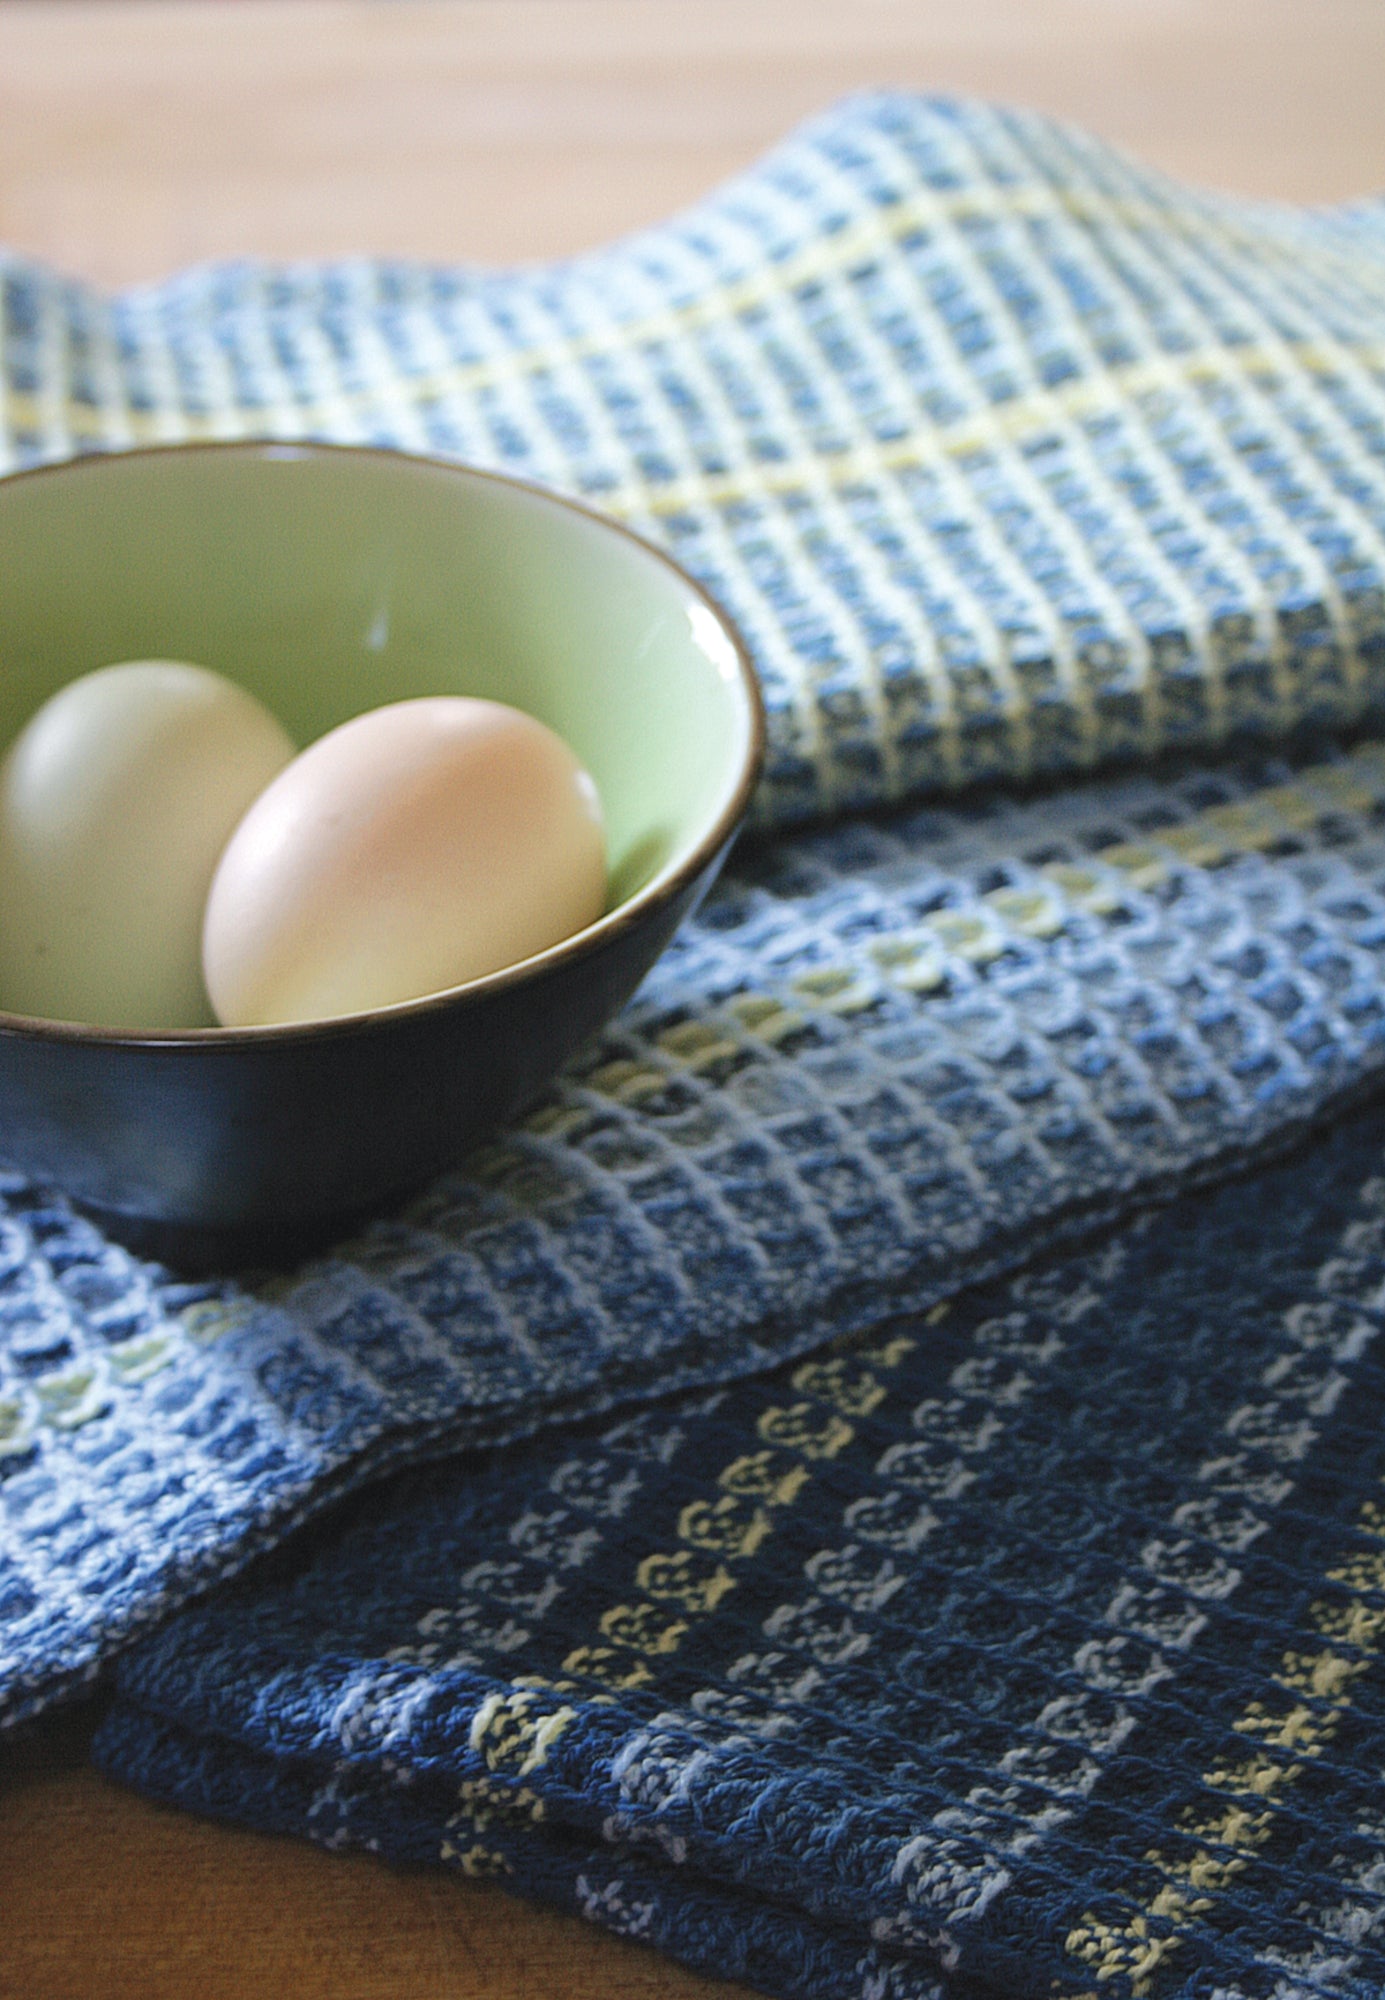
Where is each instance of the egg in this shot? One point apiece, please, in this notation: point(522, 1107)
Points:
point(116, 800)
point(412, 848)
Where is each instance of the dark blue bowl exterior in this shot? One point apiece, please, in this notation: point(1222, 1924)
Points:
point(229, 1151)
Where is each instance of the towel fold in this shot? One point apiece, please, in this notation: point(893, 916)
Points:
point(1029, 1646)
point(886, 1060)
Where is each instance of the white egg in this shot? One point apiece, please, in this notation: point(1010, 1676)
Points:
point(116, 800)
point(413, 848)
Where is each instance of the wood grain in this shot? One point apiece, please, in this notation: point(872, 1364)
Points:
point(107, 1897)
point(138, 137)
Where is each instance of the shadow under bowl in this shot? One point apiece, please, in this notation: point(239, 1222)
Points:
point(328, 580)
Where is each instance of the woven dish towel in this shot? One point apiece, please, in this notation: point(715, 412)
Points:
point(1028, 1649)
point(1010, 460)
point(1009, 457)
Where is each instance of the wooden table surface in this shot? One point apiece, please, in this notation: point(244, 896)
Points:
point(138, 137)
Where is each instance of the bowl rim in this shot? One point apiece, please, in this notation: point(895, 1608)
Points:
point(664, 886)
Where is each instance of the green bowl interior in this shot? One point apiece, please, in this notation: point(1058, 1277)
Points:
point(328, 582)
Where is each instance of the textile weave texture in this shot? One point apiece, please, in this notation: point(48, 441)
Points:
point(1012, 461)
point(1030, 1647)
point(1008, 456)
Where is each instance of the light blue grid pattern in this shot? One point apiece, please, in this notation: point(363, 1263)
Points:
point(1010, 457)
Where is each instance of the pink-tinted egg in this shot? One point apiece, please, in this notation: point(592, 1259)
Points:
point(413, 848)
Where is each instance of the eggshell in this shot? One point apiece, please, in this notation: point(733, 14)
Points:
point(411, 849)
point(115, 802)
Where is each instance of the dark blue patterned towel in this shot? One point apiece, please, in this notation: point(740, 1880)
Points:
point(1025, 1648)
point(1012, 460)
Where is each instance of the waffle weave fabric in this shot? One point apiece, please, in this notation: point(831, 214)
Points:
point(1008, 456)
point(1011, 460)
point(1028, 1648)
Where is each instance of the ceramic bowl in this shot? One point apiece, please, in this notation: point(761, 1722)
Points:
point(328, 580)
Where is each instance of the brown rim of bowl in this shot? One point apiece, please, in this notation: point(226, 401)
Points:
point(664, 886)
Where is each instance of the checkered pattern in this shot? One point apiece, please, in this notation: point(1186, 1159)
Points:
point(1009, 457)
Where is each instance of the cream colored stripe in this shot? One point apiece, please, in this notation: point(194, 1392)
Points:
point(285, 412)
point(51, 415)
point(1023, 417)
point(927, 208)
point(155, 371)
point(1364, 464)
point(1080, 555)
point(1085, 245)
point(344, 414)
point(694, 363)
point(108, 378)
point(1006, 423)
point(1259, 494)
point(1059, 528)
point(948, 579)
point(794, 337)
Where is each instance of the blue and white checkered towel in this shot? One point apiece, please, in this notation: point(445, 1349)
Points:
point(1010, 458)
